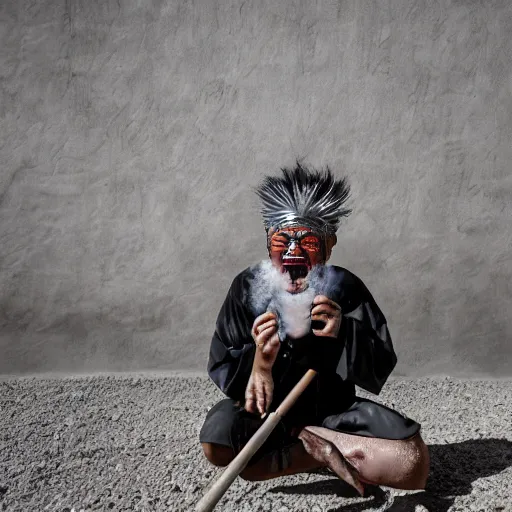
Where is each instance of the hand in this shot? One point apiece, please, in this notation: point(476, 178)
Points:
point(329, 312)
point(260, 388)
point(259, 392)
point(264, 334)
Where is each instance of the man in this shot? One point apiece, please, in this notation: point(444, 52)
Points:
point(259, 351)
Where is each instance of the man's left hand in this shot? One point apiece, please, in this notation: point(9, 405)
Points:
point(327, 311)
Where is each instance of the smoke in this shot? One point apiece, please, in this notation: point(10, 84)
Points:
point(293, 310)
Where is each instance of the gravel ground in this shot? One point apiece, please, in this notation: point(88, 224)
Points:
point(130, 442)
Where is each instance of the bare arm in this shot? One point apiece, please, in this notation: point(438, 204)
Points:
point(260, 388)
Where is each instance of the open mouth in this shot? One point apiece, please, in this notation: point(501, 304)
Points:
point(296, 266)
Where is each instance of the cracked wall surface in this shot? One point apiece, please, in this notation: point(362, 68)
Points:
point(131, 134)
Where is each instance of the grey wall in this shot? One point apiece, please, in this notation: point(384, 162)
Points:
point(132, 132)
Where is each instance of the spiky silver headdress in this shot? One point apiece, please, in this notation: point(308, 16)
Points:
point(304, 197)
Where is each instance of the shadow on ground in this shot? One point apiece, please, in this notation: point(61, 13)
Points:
point(453, 469)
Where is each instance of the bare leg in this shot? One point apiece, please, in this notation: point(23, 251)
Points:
point(355, 459)
point(312, 453)
point(325, 451)
point(300, 461)
point(393, 463)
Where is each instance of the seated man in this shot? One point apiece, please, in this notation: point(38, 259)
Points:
point(292, 313)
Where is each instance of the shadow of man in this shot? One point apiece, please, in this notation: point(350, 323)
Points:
point(453, 469)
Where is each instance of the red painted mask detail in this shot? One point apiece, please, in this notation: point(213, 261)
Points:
point(296, 250)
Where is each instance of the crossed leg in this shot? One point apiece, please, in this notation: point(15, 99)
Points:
point(402, 464)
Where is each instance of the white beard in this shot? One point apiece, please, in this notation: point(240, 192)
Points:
point(269, 293)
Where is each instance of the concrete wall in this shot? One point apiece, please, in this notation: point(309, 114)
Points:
point(132, 132)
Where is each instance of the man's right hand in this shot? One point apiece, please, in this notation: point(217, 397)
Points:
point(260, 388)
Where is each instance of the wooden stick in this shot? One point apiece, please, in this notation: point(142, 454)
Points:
point(238, 464)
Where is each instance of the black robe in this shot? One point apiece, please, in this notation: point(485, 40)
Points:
point(362, 355)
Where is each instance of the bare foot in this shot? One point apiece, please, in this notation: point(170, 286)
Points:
point(325, 452)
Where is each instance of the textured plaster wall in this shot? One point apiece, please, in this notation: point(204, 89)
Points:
point(132, 132)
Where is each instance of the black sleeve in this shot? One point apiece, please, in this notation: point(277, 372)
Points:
point(232, 348)
point(368, 357)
